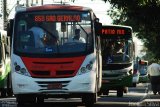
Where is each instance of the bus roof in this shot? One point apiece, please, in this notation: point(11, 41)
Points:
point(55, 7)
point(118, 26)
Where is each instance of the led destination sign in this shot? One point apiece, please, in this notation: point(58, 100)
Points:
point(57, 18)
point(113, 31)
point(116, 32)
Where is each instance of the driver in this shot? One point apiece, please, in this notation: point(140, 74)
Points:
point(77, 37)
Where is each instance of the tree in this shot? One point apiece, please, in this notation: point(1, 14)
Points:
point(143, 16)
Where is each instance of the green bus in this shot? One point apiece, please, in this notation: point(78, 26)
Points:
point(118, 55)
point(5, 74)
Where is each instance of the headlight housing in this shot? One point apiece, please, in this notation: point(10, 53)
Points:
point(86, 67)
point(21, 70)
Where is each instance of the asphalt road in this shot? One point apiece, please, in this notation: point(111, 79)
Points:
point(136, 97)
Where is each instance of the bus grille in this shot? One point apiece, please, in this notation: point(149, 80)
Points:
point(55, 74)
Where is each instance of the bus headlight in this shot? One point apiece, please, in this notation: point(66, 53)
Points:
point(86, 68)
point(20, 70)
point(83, 70)
point(89, 66)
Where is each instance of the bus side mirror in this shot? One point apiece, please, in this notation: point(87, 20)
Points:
point(10, 27)
point(98, 27)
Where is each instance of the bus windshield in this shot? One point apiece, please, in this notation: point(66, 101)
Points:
point(53, 32)
point(117, 51)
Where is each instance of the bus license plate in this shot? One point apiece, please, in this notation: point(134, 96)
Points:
point(55, 86)
point(105, 81)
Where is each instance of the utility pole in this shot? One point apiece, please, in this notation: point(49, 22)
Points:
point(5, 14)
point(31, 2)
point(36, 1)
point(41, 2)
point(27, 3)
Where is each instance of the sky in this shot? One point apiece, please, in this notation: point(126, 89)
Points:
point(98, 6)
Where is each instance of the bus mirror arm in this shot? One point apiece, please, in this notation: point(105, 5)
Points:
point(98, 27)
point(10, 27)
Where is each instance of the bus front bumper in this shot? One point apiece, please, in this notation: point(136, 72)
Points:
point(116, 83)
point(51, 86)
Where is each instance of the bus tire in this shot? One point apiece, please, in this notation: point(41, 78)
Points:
point(89, 99)
point(9, 86)
point(3, 92)
point(106, 92)
point(100, 93)
point(40, 100)
point(120, 93)
point(23, 99)
point(134, 84)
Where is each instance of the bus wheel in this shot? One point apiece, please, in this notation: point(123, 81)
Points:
point(9, 86)
point(3, 92)
point(120, 93)
point(40, 100)
point(89, 99)
point(134, 84)
point(106, 92)
point(23, 99)
point(99, 93)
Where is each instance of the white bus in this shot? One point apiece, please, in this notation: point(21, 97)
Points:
point(45, 63)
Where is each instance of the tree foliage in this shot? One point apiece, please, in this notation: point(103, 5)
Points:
point(143, 16)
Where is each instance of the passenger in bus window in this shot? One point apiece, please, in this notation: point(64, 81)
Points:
point(77, 37)
point(108, 52)
point(119, 47)
point(39, 34)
